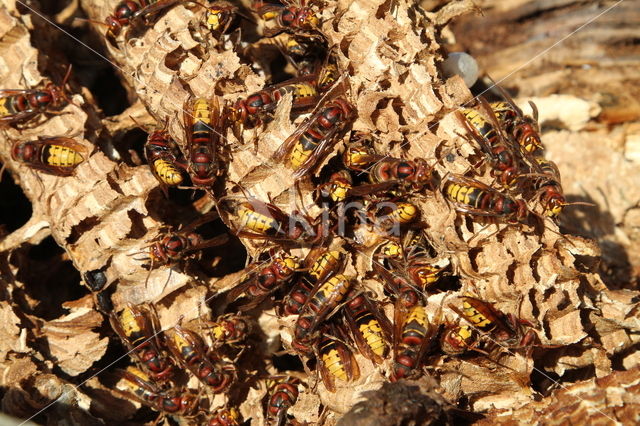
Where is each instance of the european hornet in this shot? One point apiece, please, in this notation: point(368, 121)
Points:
point(474, 120)
point(131, 12)
point(412, 337)
point(388, 173)
point(503, 329)
point(160, 152)
point(138, 326)
point(261, 282)
point(202, 119)
point(522, 128)
point(17, 105)
point(412, 331)
point(337, 188)
point(283, 394)
point(189, 349)
point(324, 266)
point(291, 17)
point(314, 139)
point(258, 105)
point(174, 247)
point(255, 219)
point(504, 160)
point(415, 174)
point(183, 402)
point(369, 326)
point(229, 329)
point(225, 417)
point(57, 156)
point(457, 339)
point(550, 188)
point(322, 302)
point(475, 198)
point(335, 359)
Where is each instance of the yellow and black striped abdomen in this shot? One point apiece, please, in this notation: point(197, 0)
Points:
point(61, 156)
point(201, 130)
point(167, 172)
point(16, 104)
point(7, 107)
point(269, 14)
point(371, 330)
point(415, 327)
point(404, 213)
point(503, 111)
point(185, 348)
point(550, 169)
point(303, 90)
point(257, 222)
point(324, 265)
point(328, 76)
point(201, 111)
point(130, 326)
point(467, 195)
point(138, 388)
point(418, 317)
point(332, 360)
point(330, 293)
point(304, 147)
point(475, 317)
point(481, 124)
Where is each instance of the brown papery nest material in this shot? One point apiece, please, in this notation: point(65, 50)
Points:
point(105, 216)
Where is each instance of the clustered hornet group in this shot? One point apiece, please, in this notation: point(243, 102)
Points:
point(336, 316)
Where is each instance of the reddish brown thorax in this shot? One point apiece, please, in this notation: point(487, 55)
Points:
point(25, 152)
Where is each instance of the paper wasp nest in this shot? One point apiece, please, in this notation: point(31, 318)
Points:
point(107, 214)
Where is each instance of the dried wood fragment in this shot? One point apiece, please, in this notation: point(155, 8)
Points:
point(607, 400)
